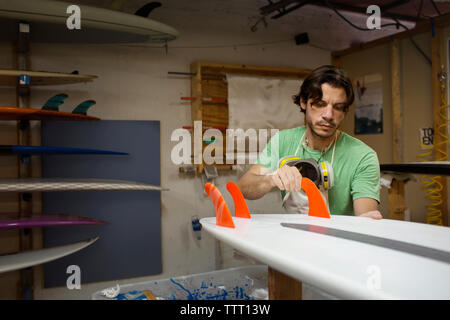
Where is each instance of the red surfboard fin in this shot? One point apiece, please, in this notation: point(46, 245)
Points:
point(223, 215)
point(240, 206)
point(317, 206)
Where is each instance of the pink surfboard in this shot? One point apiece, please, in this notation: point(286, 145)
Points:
point(13, 221)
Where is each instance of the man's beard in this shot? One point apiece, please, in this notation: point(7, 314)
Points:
point(316, 134)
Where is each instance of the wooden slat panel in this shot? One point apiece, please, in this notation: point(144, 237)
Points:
point(196, 91)
point(397, 113)
point(208, 83)
point(396, 196)
point(196, 105)
point(215, 114)
point(396, 193)
point(10, 282)
point(9, 239)
point(214, 88)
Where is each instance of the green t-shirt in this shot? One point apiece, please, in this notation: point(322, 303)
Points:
point(356, 168)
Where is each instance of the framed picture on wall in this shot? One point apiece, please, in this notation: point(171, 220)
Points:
point(368, 104)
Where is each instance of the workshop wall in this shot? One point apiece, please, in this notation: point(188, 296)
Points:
point(133, 85)
point(416, 99)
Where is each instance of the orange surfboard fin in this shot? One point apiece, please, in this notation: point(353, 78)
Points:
point(223, 215)
point(317, 206)
point(240, 206)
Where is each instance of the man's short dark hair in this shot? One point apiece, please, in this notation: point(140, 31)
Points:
point(311, 87)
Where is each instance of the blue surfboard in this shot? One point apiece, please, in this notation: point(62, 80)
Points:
point(40, 150)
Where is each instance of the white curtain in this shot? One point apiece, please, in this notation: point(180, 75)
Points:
point(263, 103)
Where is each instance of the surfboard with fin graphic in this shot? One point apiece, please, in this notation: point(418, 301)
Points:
point(49, 111)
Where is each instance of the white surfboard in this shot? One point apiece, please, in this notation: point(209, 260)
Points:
point(55, 184)
point(10, 77)
point(349, 257)
point(48, 23)
point(27, 259)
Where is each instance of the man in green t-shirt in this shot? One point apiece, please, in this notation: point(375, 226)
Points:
point(325, 97)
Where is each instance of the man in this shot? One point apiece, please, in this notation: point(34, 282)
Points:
point(325, 97)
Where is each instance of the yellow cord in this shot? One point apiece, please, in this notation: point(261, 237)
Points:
point(432, 185)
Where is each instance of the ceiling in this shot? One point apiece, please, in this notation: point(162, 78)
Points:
point(319, 18)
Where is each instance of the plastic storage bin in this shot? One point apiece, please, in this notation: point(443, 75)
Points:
point(242, 283)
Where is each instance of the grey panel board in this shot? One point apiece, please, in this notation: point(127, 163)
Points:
point(130, 245)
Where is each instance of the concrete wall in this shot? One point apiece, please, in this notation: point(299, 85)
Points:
point(133, 85)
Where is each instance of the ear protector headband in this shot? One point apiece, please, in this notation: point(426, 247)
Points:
point(319, 173)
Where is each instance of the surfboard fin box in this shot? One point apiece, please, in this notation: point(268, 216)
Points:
point(223, 215)
point(240, 206)
point(317, 206)
point(54, 102)
point(83, 107)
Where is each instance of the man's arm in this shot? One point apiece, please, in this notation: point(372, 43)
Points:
point(367, 207)
point(259, 180)
point(256, 182)
point(365, 187)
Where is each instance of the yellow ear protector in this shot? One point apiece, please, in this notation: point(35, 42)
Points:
point(319, 173)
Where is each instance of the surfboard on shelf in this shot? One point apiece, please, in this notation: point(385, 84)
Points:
point(49, 111)
point(431, 167)
point(12, 221)
point(27, 259)
point(346, 256)
point(49, 23)
point(11, 77)
point(62, 184)
point(40, 150)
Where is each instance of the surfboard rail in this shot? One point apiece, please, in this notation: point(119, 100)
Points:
point(65, 184)
point(13, 221)
point(27, 259)
point(10, 77)
point(40, 150)
point(14, 113)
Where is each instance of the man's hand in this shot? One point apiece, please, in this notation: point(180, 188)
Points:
point(372, 214)
point(286, 178)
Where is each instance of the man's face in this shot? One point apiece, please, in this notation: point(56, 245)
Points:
point(325, 116)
